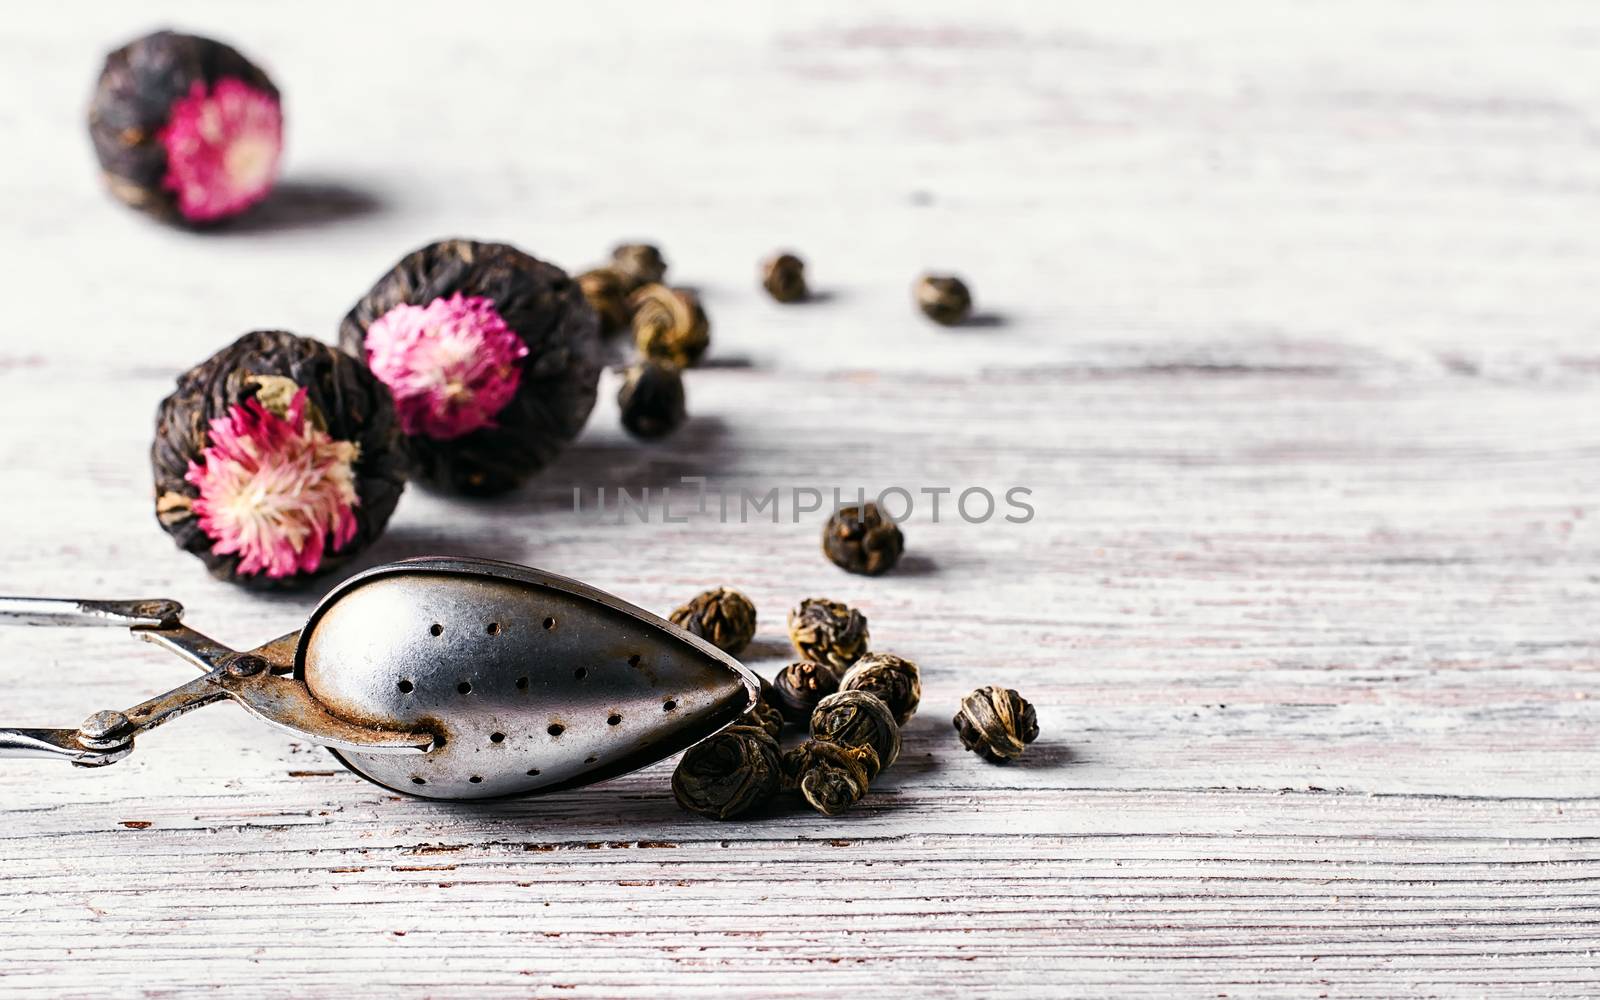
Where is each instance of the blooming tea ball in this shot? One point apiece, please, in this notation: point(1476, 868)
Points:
point(731, 773)
point(276, 460)
point(491, 355)
point(186, 128)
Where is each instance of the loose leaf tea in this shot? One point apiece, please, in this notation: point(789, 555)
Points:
point(492, 357)
point(862, 540)
point(858, 719)
point(721, 616)
point(800, 686)
point(784, 277)
point(607, 290)
point(186, 128)
point(669, 325)
point(651, 400)
point(894, 679)
point(943, 299)
point(828, 632)
point(831, 777)
point(639, 263)
point(996, 723)
point(276, 460)
point(729, 774)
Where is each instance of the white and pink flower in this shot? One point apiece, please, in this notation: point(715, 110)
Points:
point(451, 365)
point(275, 489)
point(222, 149)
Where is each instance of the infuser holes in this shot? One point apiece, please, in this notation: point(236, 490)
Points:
point(549, 623)
point(669, 705)
point(406, 687)
point(437, 630)
point(590, 759)
point(633, 661)
point(581, 673)
point(556, 729)
point(493, 628)
point(614, 719)
point(476, 779)
point(418, 781)
point(497, 737)
point(522, 684)
point(465, 687)
point(533, 772)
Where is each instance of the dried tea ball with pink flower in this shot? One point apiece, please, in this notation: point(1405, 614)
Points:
point(186, 128)
point(276, 460)
point(491, 355)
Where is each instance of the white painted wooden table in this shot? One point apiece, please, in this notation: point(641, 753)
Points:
point(1294, 324)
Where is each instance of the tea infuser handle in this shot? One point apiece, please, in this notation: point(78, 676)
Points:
point(71, 611)
point(58, 744)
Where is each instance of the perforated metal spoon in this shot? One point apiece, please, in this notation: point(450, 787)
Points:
point(440, 677)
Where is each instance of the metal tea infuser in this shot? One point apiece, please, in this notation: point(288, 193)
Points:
point(447, 678)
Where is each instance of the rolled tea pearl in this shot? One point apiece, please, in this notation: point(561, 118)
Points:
point(721, 616)
point(800, 686)
point(669, 325)
point(830, 632)
point(997, 723)
point(830, 776)
point(856, 718)
point(731, 773)
point(893, 678)
point(862, 540)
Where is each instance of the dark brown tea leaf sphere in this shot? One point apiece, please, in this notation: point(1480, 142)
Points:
point(784, 277)
point(799, 687)
point(651, 399)
point(828, 632)
point(893, 678)
point(858, 719)
point(862, 540)
point(831, 777)
point(607, 290)
point(639, 263)
point(997, 723)
point(731, 773)
point(721, 616)
point(185, 128)
point(766, 715)
point(669, 325)
point(492, 357)
point(276, 460)
point(943, 299)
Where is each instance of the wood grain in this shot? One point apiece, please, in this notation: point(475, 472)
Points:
point(1288, 324)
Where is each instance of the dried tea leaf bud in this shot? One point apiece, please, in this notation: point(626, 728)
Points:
point(858, 719)
point(640, 263)
point(669, 325)
point(943, 299)
point(721, 616)
point(186, 128)
point(784, 277)
point(651, 400)
point(800, 686)
point(276, 460)
point(828, 632)
point(492, 357)
point(731, 773)
point(862, 540)
point(894, 679)
point(607, 290)
point(996, 723)
point(829, 776)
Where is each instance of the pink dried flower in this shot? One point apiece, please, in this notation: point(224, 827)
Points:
point(451, 365)
point(276, 490)
point(222, 149)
